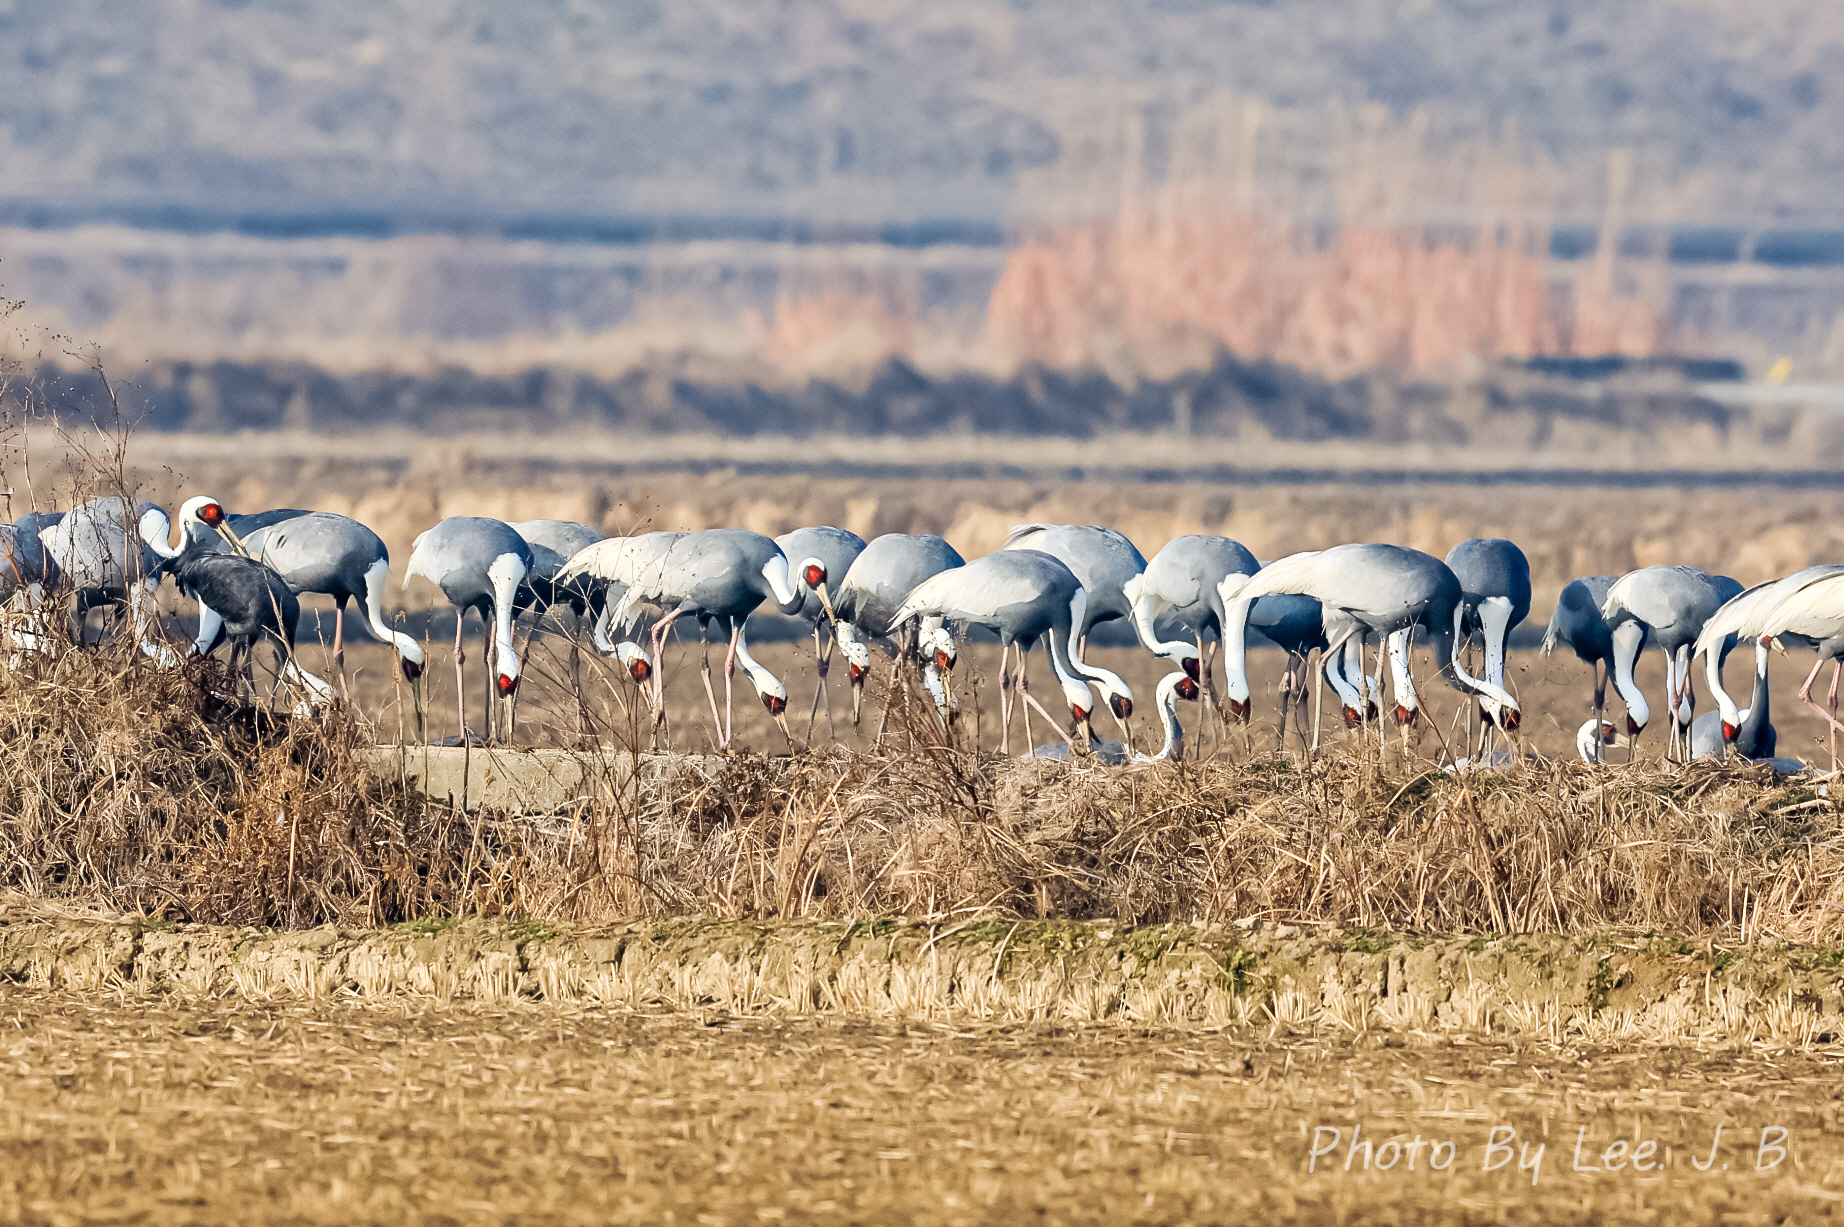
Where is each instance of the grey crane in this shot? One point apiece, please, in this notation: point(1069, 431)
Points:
point(1385, 590)
point(250, 603)
point(1494, 580)
point(1022, 596)
point(553, 543)
point(837, 549)
point(719, 576)
point(1577, 622)
point(1172, 687)
point(104, 550)
point(1667, 605)
point(1102, 561)
point(867, 598)
point(478, 564)
point(313, 551)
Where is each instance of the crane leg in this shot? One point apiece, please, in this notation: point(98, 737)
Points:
point(1835, 670)
point(1600, 705)
point(1022, 699)
point(489, 653)
point(659, 666)
point(730, 679)
point(819, 689)
point(460, 686)
point(1088, 734)
point(704, 675)
point(1005, 699)
point(339, 646)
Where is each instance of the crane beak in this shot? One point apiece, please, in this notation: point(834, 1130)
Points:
point(231, 538)
point(826, 604)
point(857, 676)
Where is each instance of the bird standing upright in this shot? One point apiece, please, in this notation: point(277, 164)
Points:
point(478, 564)
point(867, 598)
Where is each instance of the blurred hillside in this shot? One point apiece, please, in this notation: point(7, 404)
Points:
point(862, 215)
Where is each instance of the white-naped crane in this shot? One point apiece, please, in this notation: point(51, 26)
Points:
point(1577, 622)
point(867, 598)
point(1749, 731)
point(1810, 613)
point(1494, 580)
point(1367, 589)
point(478, 563)
point(1022, 596)
point(553, 543)
point(1185, 582)
point(719, 577)
point(1744, 618)
point(619, 565)
point(1667, 605)
point(837, 549)
point(313, 551)
point(105, 552)
point(250, 602)
point(1103, 561)
point(1172, 687)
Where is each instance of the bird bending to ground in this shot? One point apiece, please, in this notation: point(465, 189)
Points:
point(1172, 687)
point(250, 603)
point(104, 550)
point(478, 564)
point(1103, 561)
point(1811, 613)
point(719, 576)
point(867, 598)
point(1669, 606)
point(1577, 622)
point(1494, 580)
point(1385, 590)
point(1748, 731)
point(625, 567)
point(837, 549)
point(313, 551)
point(1022, 596)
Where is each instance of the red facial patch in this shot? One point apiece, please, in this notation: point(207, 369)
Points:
point(1187, 689)
point(1122, 705)
point(775, 704)
point(815, 576)
point(640, 670)
point(211, 514)
point(507, 686)
point(411, 670)
point(1405, 715)
point(1078, 712)
point(943, 661)
point(1509, 719)
point(1239, 708)
point(857, 675)
point(1632, 727)
point(1353, 717)
point(1729, 731)
point(1193, 669)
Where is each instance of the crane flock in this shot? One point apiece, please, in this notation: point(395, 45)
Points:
point(915, 597)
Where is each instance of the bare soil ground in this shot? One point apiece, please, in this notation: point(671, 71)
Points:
point(124, 1109)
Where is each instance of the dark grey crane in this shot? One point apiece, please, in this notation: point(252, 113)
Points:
point(1667, 606)
point(478, 563)
point(313, 551)
point(872, 591)
point(837, 549)
point(1386, 590)
point(1494, 580)
point(553, 544)
point(1022, 596)
point(252, 603)
point(1102, 561)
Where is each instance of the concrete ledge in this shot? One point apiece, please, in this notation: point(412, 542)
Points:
point(528, 780)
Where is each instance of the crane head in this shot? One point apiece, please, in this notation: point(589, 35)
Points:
point(1122, 706)
point(640, 669)
point(1353, 717)
point(1239, 708)
point(1080, 712)
point(814, 574)
point(775, 703)
point(1193, 668)
point(856, 674)
point(1632, 726)
point(508, 685)
point(412, 669)
point(211, 514)
point(943, 661)
point(1729, 731)
point(1406, 715)
point(1187, 689)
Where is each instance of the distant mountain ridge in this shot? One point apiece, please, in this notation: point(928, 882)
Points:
point(856, 113)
